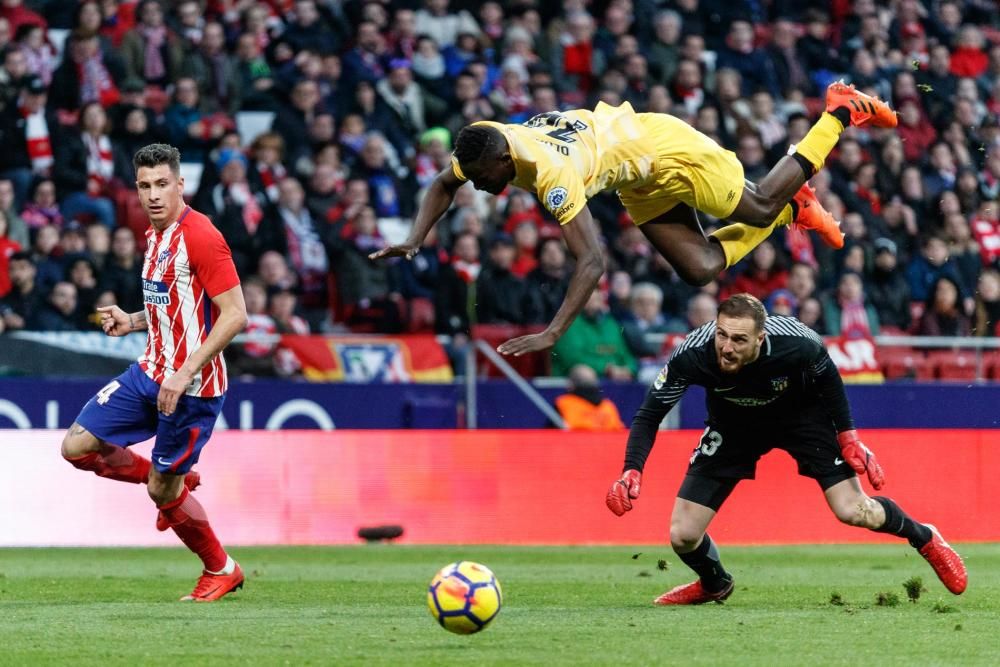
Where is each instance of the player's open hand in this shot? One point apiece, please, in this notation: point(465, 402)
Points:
point(623, 492)
point(862, 459)
point(114, 320)
point(407, 250)
point(527, 344)
point(171, 391)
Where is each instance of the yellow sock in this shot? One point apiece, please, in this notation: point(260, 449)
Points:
point(820, 140)
point(738, 239)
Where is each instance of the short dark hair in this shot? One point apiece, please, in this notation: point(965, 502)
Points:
point(154, 155)
point(21, 256)
point(475, 142)
point(745, 305)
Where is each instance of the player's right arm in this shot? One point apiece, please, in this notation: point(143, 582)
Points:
point(440, 195)
point(116, 322)
point(666, 391)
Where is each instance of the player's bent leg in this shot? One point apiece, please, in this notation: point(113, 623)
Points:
point(852, 506)
point(695, 547)
point(678, 237)
point(86, 451)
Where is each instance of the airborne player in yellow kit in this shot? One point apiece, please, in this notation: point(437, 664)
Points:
point(664, 171)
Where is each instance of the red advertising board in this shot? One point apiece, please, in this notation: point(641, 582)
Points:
point(462, 487)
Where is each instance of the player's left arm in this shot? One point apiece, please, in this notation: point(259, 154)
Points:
point(583, 240)
point(231, 320)
point(831, 389)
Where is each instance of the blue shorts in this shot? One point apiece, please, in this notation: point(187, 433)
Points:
point(124, 413)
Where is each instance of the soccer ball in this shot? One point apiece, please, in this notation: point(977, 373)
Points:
point(464, 597)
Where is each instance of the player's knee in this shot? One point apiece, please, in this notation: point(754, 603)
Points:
point(684, 538)
point(160, 492)
point(78, 442)
point(701, 270)
point(857, 512)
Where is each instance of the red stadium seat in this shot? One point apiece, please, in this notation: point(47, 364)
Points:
point(905, 363)
point(129, 212)
point(528, 365)
point(420, 315)
point(954, 364)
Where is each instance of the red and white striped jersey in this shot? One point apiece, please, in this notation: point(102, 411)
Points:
point(186, 265)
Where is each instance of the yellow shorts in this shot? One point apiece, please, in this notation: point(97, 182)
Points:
point(690, 169)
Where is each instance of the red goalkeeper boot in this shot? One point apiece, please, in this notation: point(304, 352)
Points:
point(947, 564)
point(211, 587)
point(192, 481)
point(693, 593)
point(864, 109)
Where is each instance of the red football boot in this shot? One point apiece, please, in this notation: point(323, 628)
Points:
point(864, 109)
point(693, 593)
point(191, 480)
point(947, 564)
point(813, 216)
point(211, 587)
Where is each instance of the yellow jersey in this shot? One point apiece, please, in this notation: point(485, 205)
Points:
point(567, 157)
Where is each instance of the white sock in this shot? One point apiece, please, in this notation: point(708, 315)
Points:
point(228, 569)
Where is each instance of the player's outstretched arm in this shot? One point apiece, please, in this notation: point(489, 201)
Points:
point(440, 194)
point(232, 320)
point(583, 240)
point(116, 322)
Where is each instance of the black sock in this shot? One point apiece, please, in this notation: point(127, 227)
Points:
point(795, 209)
point(843, 114)
point(807, 167)
point(898, 522)
point(705, 562)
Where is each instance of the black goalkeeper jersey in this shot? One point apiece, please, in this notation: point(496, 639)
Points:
point(793, 380)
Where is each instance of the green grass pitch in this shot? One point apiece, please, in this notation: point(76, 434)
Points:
point(563, 606)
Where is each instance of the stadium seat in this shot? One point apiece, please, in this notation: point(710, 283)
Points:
point(528, 365)
point(905, 363)
point(991, 364)
point(252, 124)
point(191, 173)
point(129, 213)
point(954, 364)
point(420, 315)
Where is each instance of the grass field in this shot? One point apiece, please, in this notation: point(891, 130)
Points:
point(565, 606)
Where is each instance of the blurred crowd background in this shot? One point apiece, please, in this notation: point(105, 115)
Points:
point(309, 129)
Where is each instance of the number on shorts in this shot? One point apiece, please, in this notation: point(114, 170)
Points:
point(104, 395)
point(710, 442)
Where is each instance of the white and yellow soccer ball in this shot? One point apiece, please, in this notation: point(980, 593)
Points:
point(464, 597)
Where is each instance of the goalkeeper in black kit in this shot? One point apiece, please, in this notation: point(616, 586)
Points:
point(762, 370)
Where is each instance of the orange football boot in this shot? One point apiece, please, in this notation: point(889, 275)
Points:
point(813, 216)
point(693, 593)
point(864, 109)
point(211, 587)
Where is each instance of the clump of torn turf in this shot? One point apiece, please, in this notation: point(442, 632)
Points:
point(914, 586)
point(662, 565)
point(636, 556)
point(885, 599)
point(942, 608)
point(836, 599)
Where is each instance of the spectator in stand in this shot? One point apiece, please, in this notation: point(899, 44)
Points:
point(242, 215)
point(406, 104)
point(253, 77)
point(470, 104)
point(455, 298)
point(122, 273)
point(293, 121)
point(924, 269)
point(85, 167)
point(575, 62)
point(963, 250)
point(306, 253)
point(83, 275)
point(969, 57)
point(594, 339)
point(500, 294)
point(43, 209)
point(25, 297)
point(214, 70)
point(98, 240)
point(254, 357)
point(547, 283)
point(915, 129)
point(308, 30)
point(433, 155)
point(282, 305)
point(267, 169)
point(583, 407)
point(17, 230)
point(364, 287)
point(987, 313)
point(526, 237)
point(89, 72)
point(763, 275)
point(18, 15)
point(755, 67)
point(389, 196)
point(888, 291)
point(8, 247)
point(38, 52)
point(846, 312)
point(781, 302)
point(811, 315)
point(943, 314)
point(367, 60)
point(152, 51)
point(26, 132)
point(59, 312)
point(419, 277)
point(645, 306)
point(191, 130)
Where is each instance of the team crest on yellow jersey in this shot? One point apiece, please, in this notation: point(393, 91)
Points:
point(555, 197)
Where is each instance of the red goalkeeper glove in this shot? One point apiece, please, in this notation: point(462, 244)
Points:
point(623, 492)
point(861, 458)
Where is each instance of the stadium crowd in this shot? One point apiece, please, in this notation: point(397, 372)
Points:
point(366, 97)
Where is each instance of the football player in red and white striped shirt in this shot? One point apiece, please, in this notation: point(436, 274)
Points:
point(193, 306)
